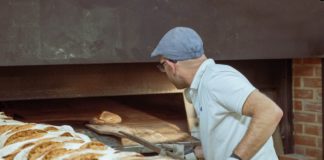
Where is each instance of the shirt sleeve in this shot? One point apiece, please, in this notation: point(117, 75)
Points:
point(230, 89)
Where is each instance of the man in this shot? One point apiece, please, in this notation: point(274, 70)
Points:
point(236, 121)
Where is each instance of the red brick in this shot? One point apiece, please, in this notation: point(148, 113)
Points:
point(313, 129)
point(314, 152)
point(312, 61)
point(300, 149)
point(297, 105)
point(320, 142)
point(298, 128)
point(292, 157)
point(318, 71)
point(297, 82)
point(305, 140)
point(304, 117)
point(297, 61)
point(303, 93)
point(303, 71)
point(312, 106)
point(307, 125)
point(319, 118)
point(312, 82)
point(318, 94)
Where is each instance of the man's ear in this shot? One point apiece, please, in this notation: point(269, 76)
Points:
point(172, 66)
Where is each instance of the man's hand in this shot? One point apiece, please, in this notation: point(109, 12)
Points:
point(265, 117)
point(199, 152)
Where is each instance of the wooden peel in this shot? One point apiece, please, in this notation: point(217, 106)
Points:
point(150, 145)
point(116, 130)
point(152, 133)
point(142, 142)
point(140, 124)
point(112, 129)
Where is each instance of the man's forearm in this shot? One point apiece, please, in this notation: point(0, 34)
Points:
point(263, 124)
point(257, 134)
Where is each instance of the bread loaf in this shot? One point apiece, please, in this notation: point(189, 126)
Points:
point(30, 141)
point(106, 118)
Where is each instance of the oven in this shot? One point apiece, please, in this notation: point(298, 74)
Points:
point(139, 93)
point(74, 94)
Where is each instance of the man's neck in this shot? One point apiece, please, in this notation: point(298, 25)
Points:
point(191, 70)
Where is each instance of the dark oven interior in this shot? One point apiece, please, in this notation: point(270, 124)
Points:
point(135, 110)
point(78, 111)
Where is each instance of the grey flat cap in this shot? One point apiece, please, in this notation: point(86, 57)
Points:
point(180, 43)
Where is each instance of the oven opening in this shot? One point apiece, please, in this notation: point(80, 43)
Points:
point(160, 114)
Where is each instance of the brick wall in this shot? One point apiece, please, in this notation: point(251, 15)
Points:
point(307, 107)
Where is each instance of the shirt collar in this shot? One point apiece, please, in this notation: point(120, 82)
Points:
point(201, 70)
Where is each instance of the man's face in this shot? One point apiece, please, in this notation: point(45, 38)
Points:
point(170, 68)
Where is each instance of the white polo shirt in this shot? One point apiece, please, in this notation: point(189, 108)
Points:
point(218, 93)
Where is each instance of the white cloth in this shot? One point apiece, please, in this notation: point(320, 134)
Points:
point(218, 93)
